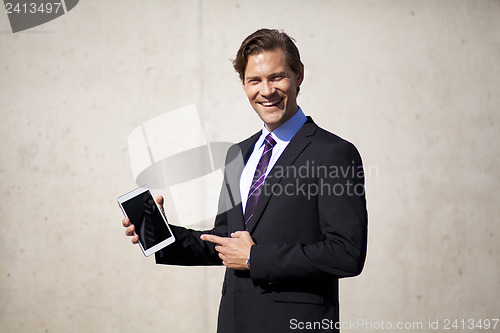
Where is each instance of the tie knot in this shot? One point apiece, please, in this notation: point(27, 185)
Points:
point(269, 141)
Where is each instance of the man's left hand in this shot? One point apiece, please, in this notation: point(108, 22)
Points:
point(235, 250)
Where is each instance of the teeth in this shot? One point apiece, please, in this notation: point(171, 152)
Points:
point(271, 103)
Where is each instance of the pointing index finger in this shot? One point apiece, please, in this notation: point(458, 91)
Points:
point(214, 239)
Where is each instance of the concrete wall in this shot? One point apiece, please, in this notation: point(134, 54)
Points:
point(413, 84)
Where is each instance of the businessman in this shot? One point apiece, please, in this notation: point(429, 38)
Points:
point(297, 219)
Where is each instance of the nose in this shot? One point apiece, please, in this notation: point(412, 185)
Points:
point(267, 89)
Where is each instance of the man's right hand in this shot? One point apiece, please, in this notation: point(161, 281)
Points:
point(130, 227)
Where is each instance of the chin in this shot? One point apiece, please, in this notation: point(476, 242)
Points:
point(272, 120)
point(273, 124)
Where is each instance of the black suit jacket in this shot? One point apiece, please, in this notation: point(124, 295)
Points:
point(310, 229)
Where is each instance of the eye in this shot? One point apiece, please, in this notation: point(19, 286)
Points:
point(253, 81)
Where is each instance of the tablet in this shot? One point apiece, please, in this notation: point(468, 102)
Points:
point(150, 223)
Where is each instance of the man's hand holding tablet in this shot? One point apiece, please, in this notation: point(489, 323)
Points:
point(145, 220)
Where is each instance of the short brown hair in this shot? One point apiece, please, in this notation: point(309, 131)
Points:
point(267, 40)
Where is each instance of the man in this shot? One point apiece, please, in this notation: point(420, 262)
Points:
point(298, 221)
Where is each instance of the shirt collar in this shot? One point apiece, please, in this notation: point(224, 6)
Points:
point(286, 131)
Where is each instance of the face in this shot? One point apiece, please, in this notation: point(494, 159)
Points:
point(271, 87)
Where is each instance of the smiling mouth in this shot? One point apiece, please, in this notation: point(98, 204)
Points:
point(271, 103)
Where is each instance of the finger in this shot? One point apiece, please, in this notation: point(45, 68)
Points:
point(238, 234)
point(159, 200)
point(214, 239)
point(223, 249)
point(130, 230)
point(126, 222)
point(135, 239)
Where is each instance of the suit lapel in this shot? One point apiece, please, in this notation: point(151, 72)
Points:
point(233, 171)
point(296, 146)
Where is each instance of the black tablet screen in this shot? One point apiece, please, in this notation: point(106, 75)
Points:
point(147, 219)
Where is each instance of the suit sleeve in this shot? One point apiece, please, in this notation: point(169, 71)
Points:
point(342, 217)
point(188, 249)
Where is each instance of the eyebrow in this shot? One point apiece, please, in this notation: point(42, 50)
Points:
point(282, 73)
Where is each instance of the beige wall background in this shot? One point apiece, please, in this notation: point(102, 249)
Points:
point(413, 84)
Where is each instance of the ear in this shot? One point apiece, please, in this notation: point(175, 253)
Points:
point(300, 75)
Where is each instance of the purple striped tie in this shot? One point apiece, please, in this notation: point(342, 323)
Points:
point(258, 178)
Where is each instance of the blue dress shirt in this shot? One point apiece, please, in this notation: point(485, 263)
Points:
point(282, 135)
